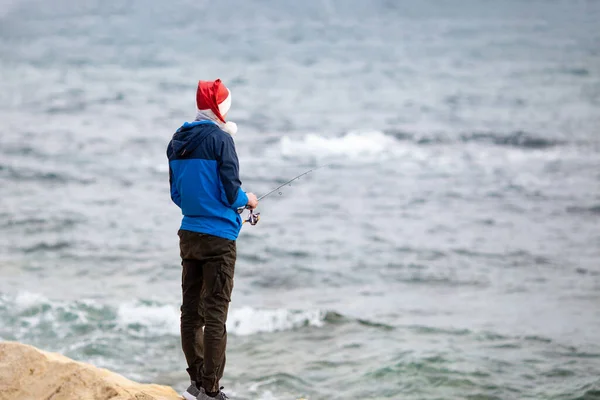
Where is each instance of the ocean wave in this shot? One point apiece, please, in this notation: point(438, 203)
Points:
point(247, 320)
point(377, 143)
point(352, 144)
point(28, 315)
point(243, 321)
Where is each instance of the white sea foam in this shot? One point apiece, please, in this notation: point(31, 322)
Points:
point(156, 319)
point(164, 319)
point(25, 300)
point(352, 144)
point(139, 318)
point(247, 320)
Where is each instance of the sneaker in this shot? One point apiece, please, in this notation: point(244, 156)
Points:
point(192, 392)
point(219, 396)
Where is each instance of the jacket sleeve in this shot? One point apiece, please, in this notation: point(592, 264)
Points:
point(175, 196)
point(228, 164)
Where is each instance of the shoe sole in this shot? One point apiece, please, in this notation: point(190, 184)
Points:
point(188, 396)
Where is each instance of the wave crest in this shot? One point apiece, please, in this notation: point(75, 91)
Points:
point(28, 315)
point(377, 143)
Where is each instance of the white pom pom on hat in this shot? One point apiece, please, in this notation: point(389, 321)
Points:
point(230, 127)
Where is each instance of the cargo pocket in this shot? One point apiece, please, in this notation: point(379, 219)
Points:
point(224, 283)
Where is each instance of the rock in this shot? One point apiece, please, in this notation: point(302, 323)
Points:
point(27, 373)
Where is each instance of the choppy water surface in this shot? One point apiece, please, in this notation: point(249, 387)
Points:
point(450, 251)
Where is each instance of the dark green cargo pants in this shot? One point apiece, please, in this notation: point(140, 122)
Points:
point(207, 281)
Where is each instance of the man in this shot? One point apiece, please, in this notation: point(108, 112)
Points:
point(205, 184)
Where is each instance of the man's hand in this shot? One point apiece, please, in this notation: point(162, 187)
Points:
point(252, 201)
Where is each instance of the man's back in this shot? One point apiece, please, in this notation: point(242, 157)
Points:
point(204, 178)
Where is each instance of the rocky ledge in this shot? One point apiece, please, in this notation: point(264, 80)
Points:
point(27, 373)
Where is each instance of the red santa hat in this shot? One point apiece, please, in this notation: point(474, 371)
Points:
point(213, 96)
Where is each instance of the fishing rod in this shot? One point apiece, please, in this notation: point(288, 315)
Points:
point(254, 218)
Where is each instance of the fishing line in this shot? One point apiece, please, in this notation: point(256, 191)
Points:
point(291, 180)
point(254, 218)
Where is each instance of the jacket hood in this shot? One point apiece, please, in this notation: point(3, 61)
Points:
point(188, 137)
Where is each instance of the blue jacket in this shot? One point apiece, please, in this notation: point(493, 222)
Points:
point(204, 178)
